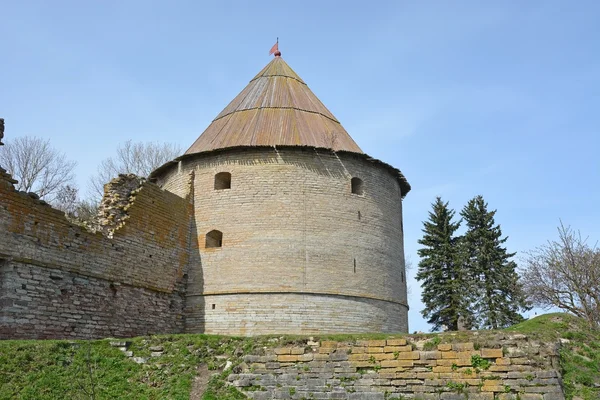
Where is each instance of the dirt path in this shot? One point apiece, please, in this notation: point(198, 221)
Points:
point(200, 383)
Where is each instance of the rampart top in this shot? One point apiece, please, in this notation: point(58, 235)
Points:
point(276, 108)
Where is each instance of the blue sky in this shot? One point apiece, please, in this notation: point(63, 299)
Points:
point(499, 98)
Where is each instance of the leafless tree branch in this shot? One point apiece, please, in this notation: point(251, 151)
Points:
point(37, 166)
point(566, 274)
point(132, 158)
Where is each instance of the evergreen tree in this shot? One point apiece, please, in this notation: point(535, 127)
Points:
point(440, 269)
point(498, 294)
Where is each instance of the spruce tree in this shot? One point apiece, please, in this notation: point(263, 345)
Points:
point(497, 292)
point(440, 269)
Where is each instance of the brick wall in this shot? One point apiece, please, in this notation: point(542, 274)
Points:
point(61, 280)
point(297, 246)
point(291, 313)
point(291, 226)
point(44, 303)
point(503, 367)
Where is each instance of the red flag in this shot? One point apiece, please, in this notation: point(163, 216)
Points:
point(274, 48)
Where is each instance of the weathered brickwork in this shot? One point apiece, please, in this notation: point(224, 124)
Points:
point(404, 368)
point(49, 303)
point(277, 313)
point(300, 252)
point(58, 279)
point(292, 226)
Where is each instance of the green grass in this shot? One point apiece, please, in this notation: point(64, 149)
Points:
point(94, 369)
point(549, 326)
point(579, 357)
point(73, 369)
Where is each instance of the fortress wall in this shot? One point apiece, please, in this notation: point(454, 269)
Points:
point(291, 313)
point(504, 367)
point(290, 224)
point(46, 303)
point(58, 279)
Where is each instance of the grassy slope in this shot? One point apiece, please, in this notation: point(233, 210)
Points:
point(62, 369)
point(579, 354)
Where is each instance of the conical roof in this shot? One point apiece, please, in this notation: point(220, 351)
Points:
point(276, 108)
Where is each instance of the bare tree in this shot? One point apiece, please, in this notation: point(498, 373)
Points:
point(132, 158)
point(565, 274)
point(37, 166)
point(67, 200)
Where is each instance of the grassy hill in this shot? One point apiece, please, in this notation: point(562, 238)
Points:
point(579, 353)
point(99, 370)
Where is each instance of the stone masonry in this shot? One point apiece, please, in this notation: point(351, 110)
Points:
point(300, 252)
point(504, 367)
point(60, 280)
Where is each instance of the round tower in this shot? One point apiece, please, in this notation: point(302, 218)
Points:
point(298, 231)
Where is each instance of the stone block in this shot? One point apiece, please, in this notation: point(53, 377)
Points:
point(396, 342)
point(306, 357)
point(338, 356)
point(554, 396)
point(287, 358)
point(359, 357)
point(503, 361)
point(383, 356)
point(374, 349)
point(491, 382)
point(449, 354)
point(390, 363)
point(461, 362)
point(491, 353)
point(492, 388)
point(444, 347)
point(480, 396)
point(431, 355)
point(376, 343)
point(469, 346)
point(412, 355)
point(531, 396)
point(452, 396)
point(366, 396)
point(541, 389)
point(546, 374)
point(499, 368)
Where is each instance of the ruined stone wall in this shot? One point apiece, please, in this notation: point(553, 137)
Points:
point(60, 280)
point(300, 252)
point(47, 303)
point(505, 367)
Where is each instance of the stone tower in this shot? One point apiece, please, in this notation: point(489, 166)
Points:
point(298, 231)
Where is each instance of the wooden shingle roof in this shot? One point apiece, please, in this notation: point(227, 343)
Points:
point(276, 109)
